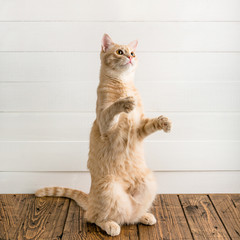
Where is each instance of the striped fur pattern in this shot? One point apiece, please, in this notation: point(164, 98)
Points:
point(122, 187)
point(79, 196)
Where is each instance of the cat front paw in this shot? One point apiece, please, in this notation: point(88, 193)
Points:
point(164, 124)
point(127, 104)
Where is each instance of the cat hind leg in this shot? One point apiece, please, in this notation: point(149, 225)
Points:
point(148, 219)
point(111, 227)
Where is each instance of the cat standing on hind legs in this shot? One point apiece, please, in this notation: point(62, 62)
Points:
point(122, 187)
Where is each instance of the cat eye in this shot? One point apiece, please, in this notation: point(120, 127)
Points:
point(133, 54)
point(120, 52)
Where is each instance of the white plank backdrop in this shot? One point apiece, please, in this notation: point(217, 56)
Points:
point(189, 58)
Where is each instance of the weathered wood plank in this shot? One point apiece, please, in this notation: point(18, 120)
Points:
point(26, 217)
point(202, 217)
point(76, 227)
point(171, 223)
point(228, 208)
point(13, 211)
point(45, 220)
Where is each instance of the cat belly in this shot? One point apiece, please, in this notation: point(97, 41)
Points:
point(109, 201)
point(118, 205)
point(142, 200)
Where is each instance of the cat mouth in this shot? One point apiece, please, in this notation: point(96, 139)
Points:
point(130, 61)
point(128, 64)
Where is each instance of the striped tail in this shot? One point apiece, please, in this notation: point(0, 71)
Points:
point(80, 197)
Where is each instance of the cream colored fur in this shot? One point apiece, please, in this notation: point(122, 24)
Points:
point(122, 187)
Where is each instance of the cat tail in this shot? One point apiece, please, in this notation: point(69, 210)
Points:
point(80, 197)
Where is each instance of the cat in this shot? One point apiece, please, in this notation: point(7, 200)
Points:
point(122, 187)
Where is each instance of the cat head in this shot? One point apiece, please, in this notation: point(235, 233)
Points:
point(119, 58)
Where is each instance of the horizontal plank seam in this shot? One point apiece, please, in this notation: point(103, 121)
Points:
point(118, 21)
point(219, 216)
point(93, 112)
point(147, 141)
point(79, 51)
point(155, 171)
point(173, 112)
point(137, 81)
point(157, 81)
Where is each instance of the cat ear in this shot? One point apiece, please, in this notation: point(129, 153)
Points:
point(133, 44)
point(106, 42)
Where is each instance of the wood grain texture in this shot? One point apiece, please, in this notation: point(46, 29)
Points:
point(29, 126)
point(45, 220)
point(171, 223)
point(76, 227)
point(228, 208)
point(179, 217)
point(120, 10)
point(156, 96)
point(202, 218)
point(14, 209)
point(156, 66)
point(153, 36)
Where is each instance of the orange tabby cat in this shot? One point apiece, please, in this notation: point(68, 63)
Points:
point(122, 187)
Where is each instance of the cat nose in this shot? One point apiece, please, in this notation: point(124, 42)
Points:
point(129, 57)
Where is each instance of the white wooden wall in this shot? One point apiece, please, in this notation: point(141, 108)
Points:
point(189, 70)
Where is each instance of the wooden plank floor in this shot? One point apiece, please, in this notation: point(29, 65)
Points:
point(194, 216)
